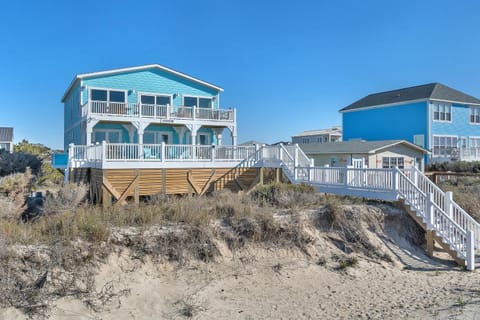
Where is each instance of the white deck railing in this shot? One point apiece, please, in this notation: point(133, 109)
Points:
point(115, 152)
point(141, 110)
point(444, 200)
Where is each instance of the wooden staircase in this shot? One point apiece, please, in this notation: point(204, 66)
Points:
point(432, 238)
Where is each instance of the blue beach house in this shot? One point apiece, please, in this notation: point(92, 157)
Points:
point(433, 116)
point(149, 104)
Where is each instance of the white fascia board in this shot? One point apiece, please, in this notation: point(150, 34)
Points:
point(385, 105)
point(139, 68)
point(454, 102)
point(404, 142)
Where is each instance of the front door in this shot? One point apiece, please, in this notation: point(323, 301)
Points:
point(357, 163)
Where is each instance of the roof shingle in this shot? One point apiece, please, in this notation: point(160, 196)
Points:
point(354, 146)
point(6, 134)
point(434, 91)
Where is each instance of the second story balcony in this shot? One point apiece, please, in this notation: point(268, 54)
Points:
point(154, 111)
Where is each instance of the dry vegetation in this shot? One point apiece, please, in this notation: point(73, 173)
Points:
point(55, 254)
point(466, 191)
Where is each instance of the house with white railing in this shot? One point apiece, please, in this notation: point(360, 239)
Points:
point(151, 121)
point(441, 119)
point(149, 104)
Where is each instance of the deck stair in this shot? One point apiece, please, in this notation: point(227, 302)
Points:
point(443, 219)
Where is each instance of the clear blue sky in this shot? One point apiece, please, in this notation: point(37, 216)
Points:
point(287, 66)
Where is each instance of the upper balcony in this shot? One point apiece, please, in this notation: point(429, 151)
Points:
point(166, 113)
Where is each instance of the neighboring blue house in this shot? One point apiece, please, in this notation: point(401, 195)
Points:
point(433, 116)
point(148, 104)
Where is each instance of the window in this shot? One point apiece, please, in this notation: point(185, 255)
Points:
point(305, 140)
point(203, 139)
point(98, 95)
point(5, 146)
point(157, 100)
point(474, 142)
point(442, 111)
point(156, 137)
point(475, 115)
point(419, 140)
point(117, 96)
point(107, 95)
point(110, 136)
point(392, 162)
point(445, 146)
point(197, 101)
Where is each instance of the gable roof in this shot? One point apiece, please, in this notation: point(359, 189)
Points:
point(434, 91)
point(6, 134)
point(355, 146)
point(138, 68)
point(252, 142)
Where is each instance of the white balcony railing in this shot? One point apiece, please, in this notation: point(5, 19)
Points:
point(141, 110)
point(114, 152)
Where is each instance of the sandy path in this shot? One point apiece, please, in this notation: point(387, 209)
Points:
point(282, 286)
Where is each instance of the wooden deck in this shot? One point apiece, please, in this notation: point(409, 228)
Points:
point(116, 186)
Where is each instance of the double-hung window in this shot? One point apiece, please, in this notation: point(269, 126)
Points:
point(442, 111)
point(474, 146)
point(445, 146)
point(392, 162)
point(475, 115)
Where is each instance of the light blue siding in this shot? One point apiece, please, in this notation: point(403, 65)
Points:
point(459, 126)
point(386, 123)
point(151, 81)
point(72, 116)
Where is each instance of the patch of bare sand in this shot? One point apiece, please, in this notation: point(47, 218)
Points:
point(278, 283)
point(283, 286)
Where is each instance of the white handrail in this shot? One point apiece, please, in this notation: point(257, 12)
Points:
point(458, 214)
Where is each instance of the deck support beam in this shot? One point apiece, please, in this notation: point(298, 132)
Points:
point(277, 175)
point(430, 238)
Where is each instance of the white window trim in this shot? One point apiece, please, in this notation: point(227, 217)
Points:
point(432, 104)
point(207, 134)
point(145, 93)
point(197, 97)
point(390, 161)
point(156, 135)
point(442, 136)
point(107, 131)
point(470, 138)
point(108, 93)
point(470, 115)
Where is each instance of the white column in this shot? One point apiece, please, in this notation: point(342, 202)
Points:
point(218, 133)
point(470, 250)
point(181, 133)
point(89, 130)
point(193, 132)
